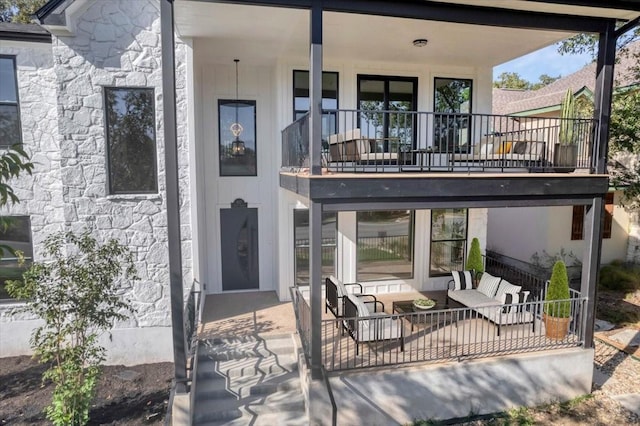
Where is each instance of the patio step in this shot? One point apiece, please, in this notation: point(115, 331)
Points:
point(249, 380)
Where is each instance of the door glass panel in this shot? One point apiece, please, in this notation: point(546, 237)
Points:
point(301, 237)
point(239, 248)
point(448, 240)
point(452, 97)
point(385, 104)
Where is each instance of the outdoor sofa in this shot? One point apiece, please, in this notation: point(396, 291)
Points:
point(495, 299)
point(353, 146)
point(502, 150)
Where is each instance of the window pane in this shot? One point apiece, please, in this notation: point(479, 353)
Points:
point(448, 240)
point(237, 153)
point(385, 245)
point(17, 235)
point(301, 237)
point(453, 97)
point(329, 98)
point(131, 140)
point(8, 89)
point(9, 125)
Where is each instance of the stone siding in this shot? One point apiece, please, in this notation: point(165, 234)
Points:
point(115, 44)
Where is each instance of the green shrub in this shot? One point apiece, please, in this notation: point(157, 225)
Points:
point(558, 290)
point(619, 276)
point(474, 261)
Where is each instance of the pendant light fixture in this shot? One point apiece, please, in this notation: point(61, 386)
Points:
point(237, 146)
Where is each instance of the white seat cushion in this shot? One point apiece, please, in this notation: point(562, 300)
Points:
point(380, 326)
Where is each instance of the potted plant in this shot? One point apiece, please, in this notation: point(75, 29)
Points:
point(474, 260)
point(557, 307)
point(565, 154)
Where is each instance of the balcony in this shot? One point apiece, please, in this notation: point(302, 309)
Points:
point(363, 141)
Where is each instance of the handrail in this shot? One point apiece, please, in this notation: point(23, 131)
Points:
point(334, 406)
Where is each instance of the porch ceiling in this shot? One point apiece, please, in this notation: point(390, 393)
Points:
point(262, 34)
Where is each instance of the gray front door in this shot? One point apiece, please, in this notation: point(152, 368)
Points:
point(239, 248)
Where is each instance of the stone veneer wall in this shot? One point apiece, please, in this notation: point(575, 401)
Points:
point(117, 44)
point(40, 194)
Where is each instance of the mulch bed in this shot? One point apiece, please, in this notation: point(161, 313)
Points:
point(125, 395)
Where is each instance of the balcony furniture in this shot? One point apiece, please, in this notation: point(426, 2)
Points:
point(336, 292)
point(497, 151)
point(495, 299)
point(365, 326)
point(352, 146)
point(432, 319)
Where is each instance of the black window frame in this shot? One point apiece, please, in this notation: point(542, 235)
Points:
point(16, 103)
point(253, 102)
point(410, 242)
point(437, 147)
point(110, 189)
point(7, 257)
point(431, 241)
point(386, 79)
point(302, 111)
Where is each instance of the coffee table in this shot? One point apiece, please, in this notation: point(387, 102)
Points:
point(424, 316)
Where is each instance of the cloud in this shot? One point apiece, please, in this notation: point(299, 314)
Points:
point(544, 61)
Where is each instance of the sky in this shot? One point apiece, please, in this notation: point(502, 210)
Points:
point(544, 61)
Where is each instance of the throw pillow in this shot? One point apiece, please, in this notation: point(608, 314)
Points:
point(505, 148)
point(486, 149)
point(513, 303)
point(507, 287)
point(462, 280)
point(488, 285)
point(520, 148)
point(360, 306)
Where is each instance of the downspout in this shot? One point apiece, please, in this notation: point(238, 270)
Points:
point(172, 193)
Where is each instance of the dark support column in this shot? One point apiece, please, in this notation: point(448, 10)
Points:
point(593, 224)
point(603, 91)
point(173, 206)
point(315, 281)
point(315, 89)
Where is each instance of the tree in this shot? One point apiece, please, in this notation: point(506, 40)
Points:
point(13, 162)
point(511, 80)
point(624, 129)
point(19, 10)
point(76, 294)
point(474, 260)
point(544, 80)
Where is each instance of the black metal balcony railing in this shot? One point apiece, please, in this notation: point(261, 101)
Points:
point(394, 141)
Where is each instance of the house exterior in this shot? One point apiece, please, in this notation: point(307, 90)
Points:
point(345, 141)
point(559, 229)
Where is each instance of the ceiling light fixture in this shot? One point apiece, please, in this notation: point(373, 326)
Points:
point(420, 42)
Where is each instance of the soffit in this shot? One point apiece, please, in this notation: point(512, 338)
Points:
point(260, 34)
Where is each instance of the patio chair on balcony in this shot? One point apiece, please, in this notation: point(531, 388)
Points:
point(365, 326)
point(336, 292)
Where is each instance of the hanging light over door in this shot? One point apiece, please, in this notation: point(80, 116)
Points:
point(237, 146)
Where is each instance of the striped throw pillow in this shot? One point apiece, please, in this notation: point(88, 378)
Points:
point(489, 285)
point(510, 299)
point(462, 280)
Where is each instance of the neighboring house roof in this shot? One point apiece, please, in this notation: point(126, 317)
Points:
point(530, 102)
point(24, 32)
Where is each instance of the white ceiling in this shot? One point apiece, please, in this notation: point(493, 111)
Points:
point(261, 34)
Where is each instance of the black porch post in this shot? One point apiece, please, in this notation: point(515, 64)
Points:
point(173, 206)
point(591, 266)
point(315, 209)
point(603, 95)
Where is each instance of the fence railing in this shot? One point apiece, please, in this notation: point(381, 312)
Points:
point(191, 317)
point(445, 335)
point(393, 141)
point(529, 281)
point(302, 312)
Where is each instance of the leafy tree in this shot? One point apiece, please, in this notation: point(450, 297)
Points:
point(19, 10)
point(543, 80)
point(624, 130)
point(77, 296)
point(511, 80)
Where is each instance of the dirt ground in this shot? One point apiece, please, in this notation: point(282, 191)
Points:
point(136, 395)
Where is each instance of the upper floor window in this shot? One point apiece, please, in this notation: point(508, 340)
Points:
point(14, 233)
point(9, 109)
point(453, 99)
point(329, 99)
point(131, 140)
